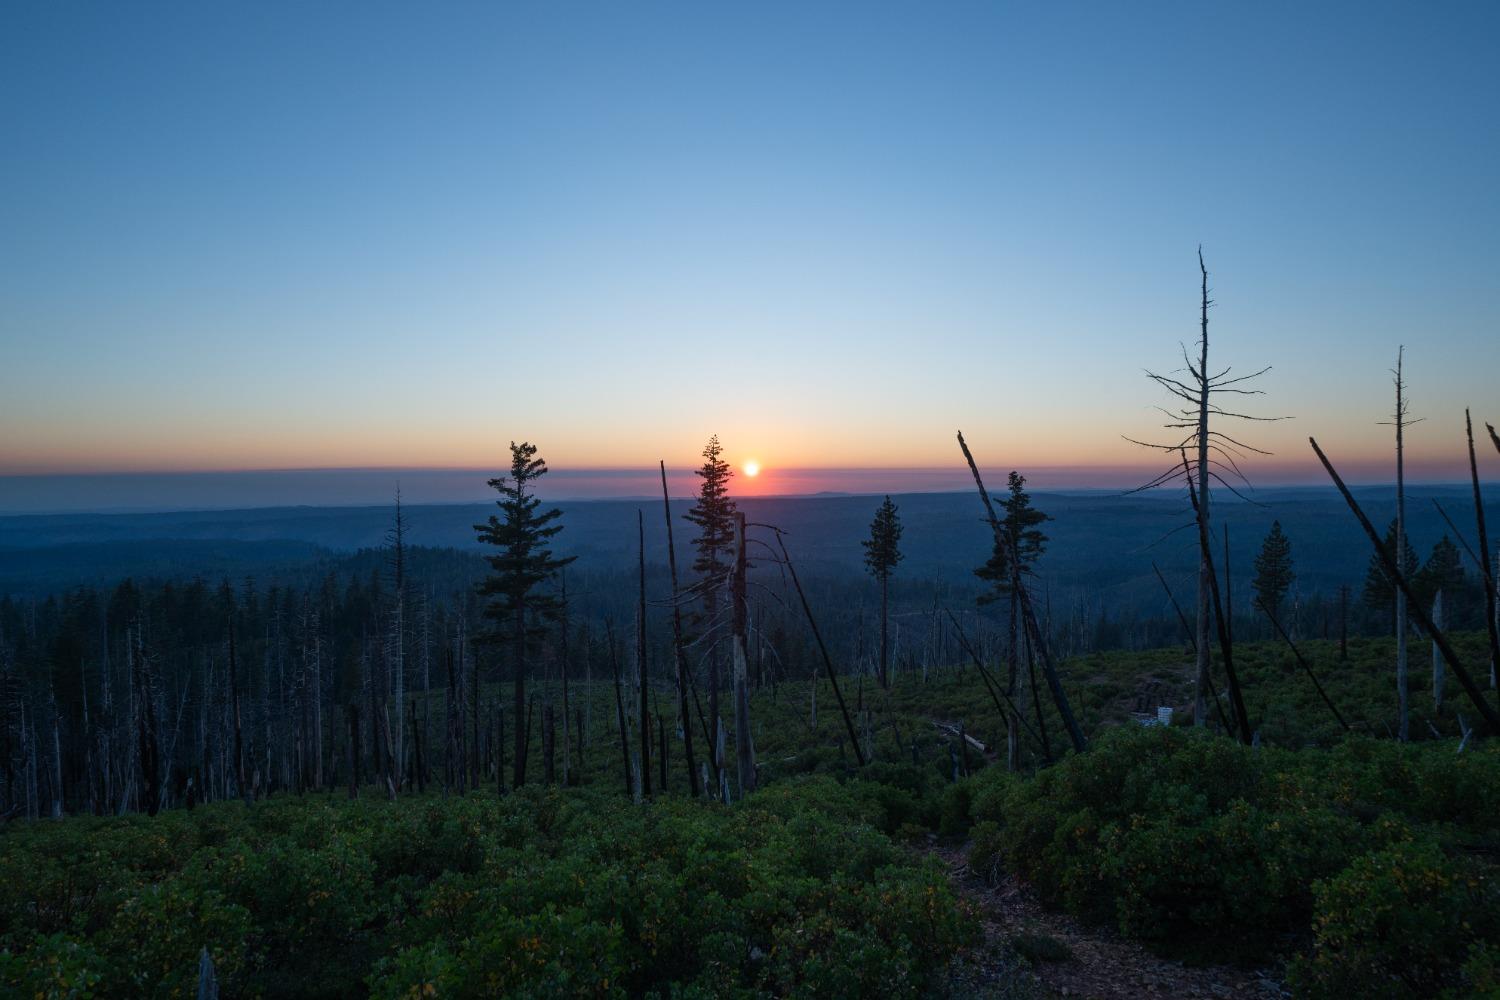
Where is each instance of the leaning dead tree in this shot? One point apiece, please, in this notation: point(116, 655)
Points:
point(1028, 614)
point(1216, 459)
point(833, 678)
point(1487, 573)
point(997, 694)
point(1221, 618)
point(1414, 606)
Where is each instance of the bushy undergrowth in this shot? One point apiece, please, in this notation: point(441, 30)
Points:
point(1371, 852)
point(543, 893)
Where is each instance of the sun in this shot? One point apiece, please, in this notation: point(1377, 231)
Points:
point(752, 468)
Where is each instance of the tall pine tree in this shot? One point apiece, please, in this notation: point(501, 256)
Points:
point(1022, 526)
point(713, 513)
point(523, 563)
point(882, 553)
point(1273, 571)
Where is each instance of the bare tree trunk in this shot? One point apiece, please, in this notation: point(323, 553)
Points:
point(744, 743)
point(677, 645)
point(563, 670)
point(1226, 642)
point(453, 766)
point(420, 765)
point(1437, 657)
point(1403, 724)
point(1201, 644)
point(477, 778)
point(239, 740)
point(640, 656)
point(614, 660)
point(518, 777)
point(57, 768)
point(549, 731)
point(316, 748)
point(150, 744)
point(352, 712)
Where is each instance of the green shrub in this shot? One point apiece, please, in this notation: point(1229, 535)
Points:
point(1403, 922)
point(1206, 848)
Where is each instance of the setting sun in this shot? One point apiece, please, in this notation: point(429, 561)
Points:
point(752, 468)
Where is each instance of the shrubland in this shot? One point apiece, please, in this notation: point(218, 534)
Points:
point(544, 892)
point(1346, 862)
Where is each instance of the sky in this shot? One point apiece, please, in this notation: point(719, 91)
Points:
point(323, 236)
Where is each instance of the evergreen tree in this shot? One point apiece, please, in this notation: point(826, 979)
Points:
point(521, 565)
point(1380, 591)
point(882, 553)
point(713, 513)
point(1021, 524)
point(1273, 571)
point(1443, 572)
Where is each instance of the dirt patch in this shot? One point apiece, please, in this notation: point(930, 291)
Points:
point(1070, 959)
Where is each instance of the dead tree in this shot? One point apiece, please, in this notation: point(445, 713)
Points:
point(744, 744)
point(1187, 629)
point(1488, 573)
point(549, 744)
point(148, 735)
point(239, 740)
point(1400, 421)
point(562, 623)
point(453, 766)
point(396, 538)
point(614, 662)
point(996, 694)
point(1437, 657)
point(1217, 456)
point(476, 778)
point(678, 645)
point(1388, 560)
point(822, 649)
point(1306, 667)
point(1226, 641)
point(640, 656)
point(419, 764)
point(352, 714)
point(1028, 613)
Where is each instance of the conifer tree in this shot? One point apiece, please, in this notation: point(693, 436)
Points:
point(882, 553)
point(1021, 533)
point(1443, 572)
point(522, 564)
point(713, 513)
point(1273, 571)
point(1022, 525)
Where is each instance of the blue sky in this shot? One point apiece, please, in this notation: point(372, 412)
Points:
point(278, 236)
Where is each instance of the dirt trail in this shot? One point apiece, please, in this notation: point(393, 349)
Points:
point(1102, 964)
